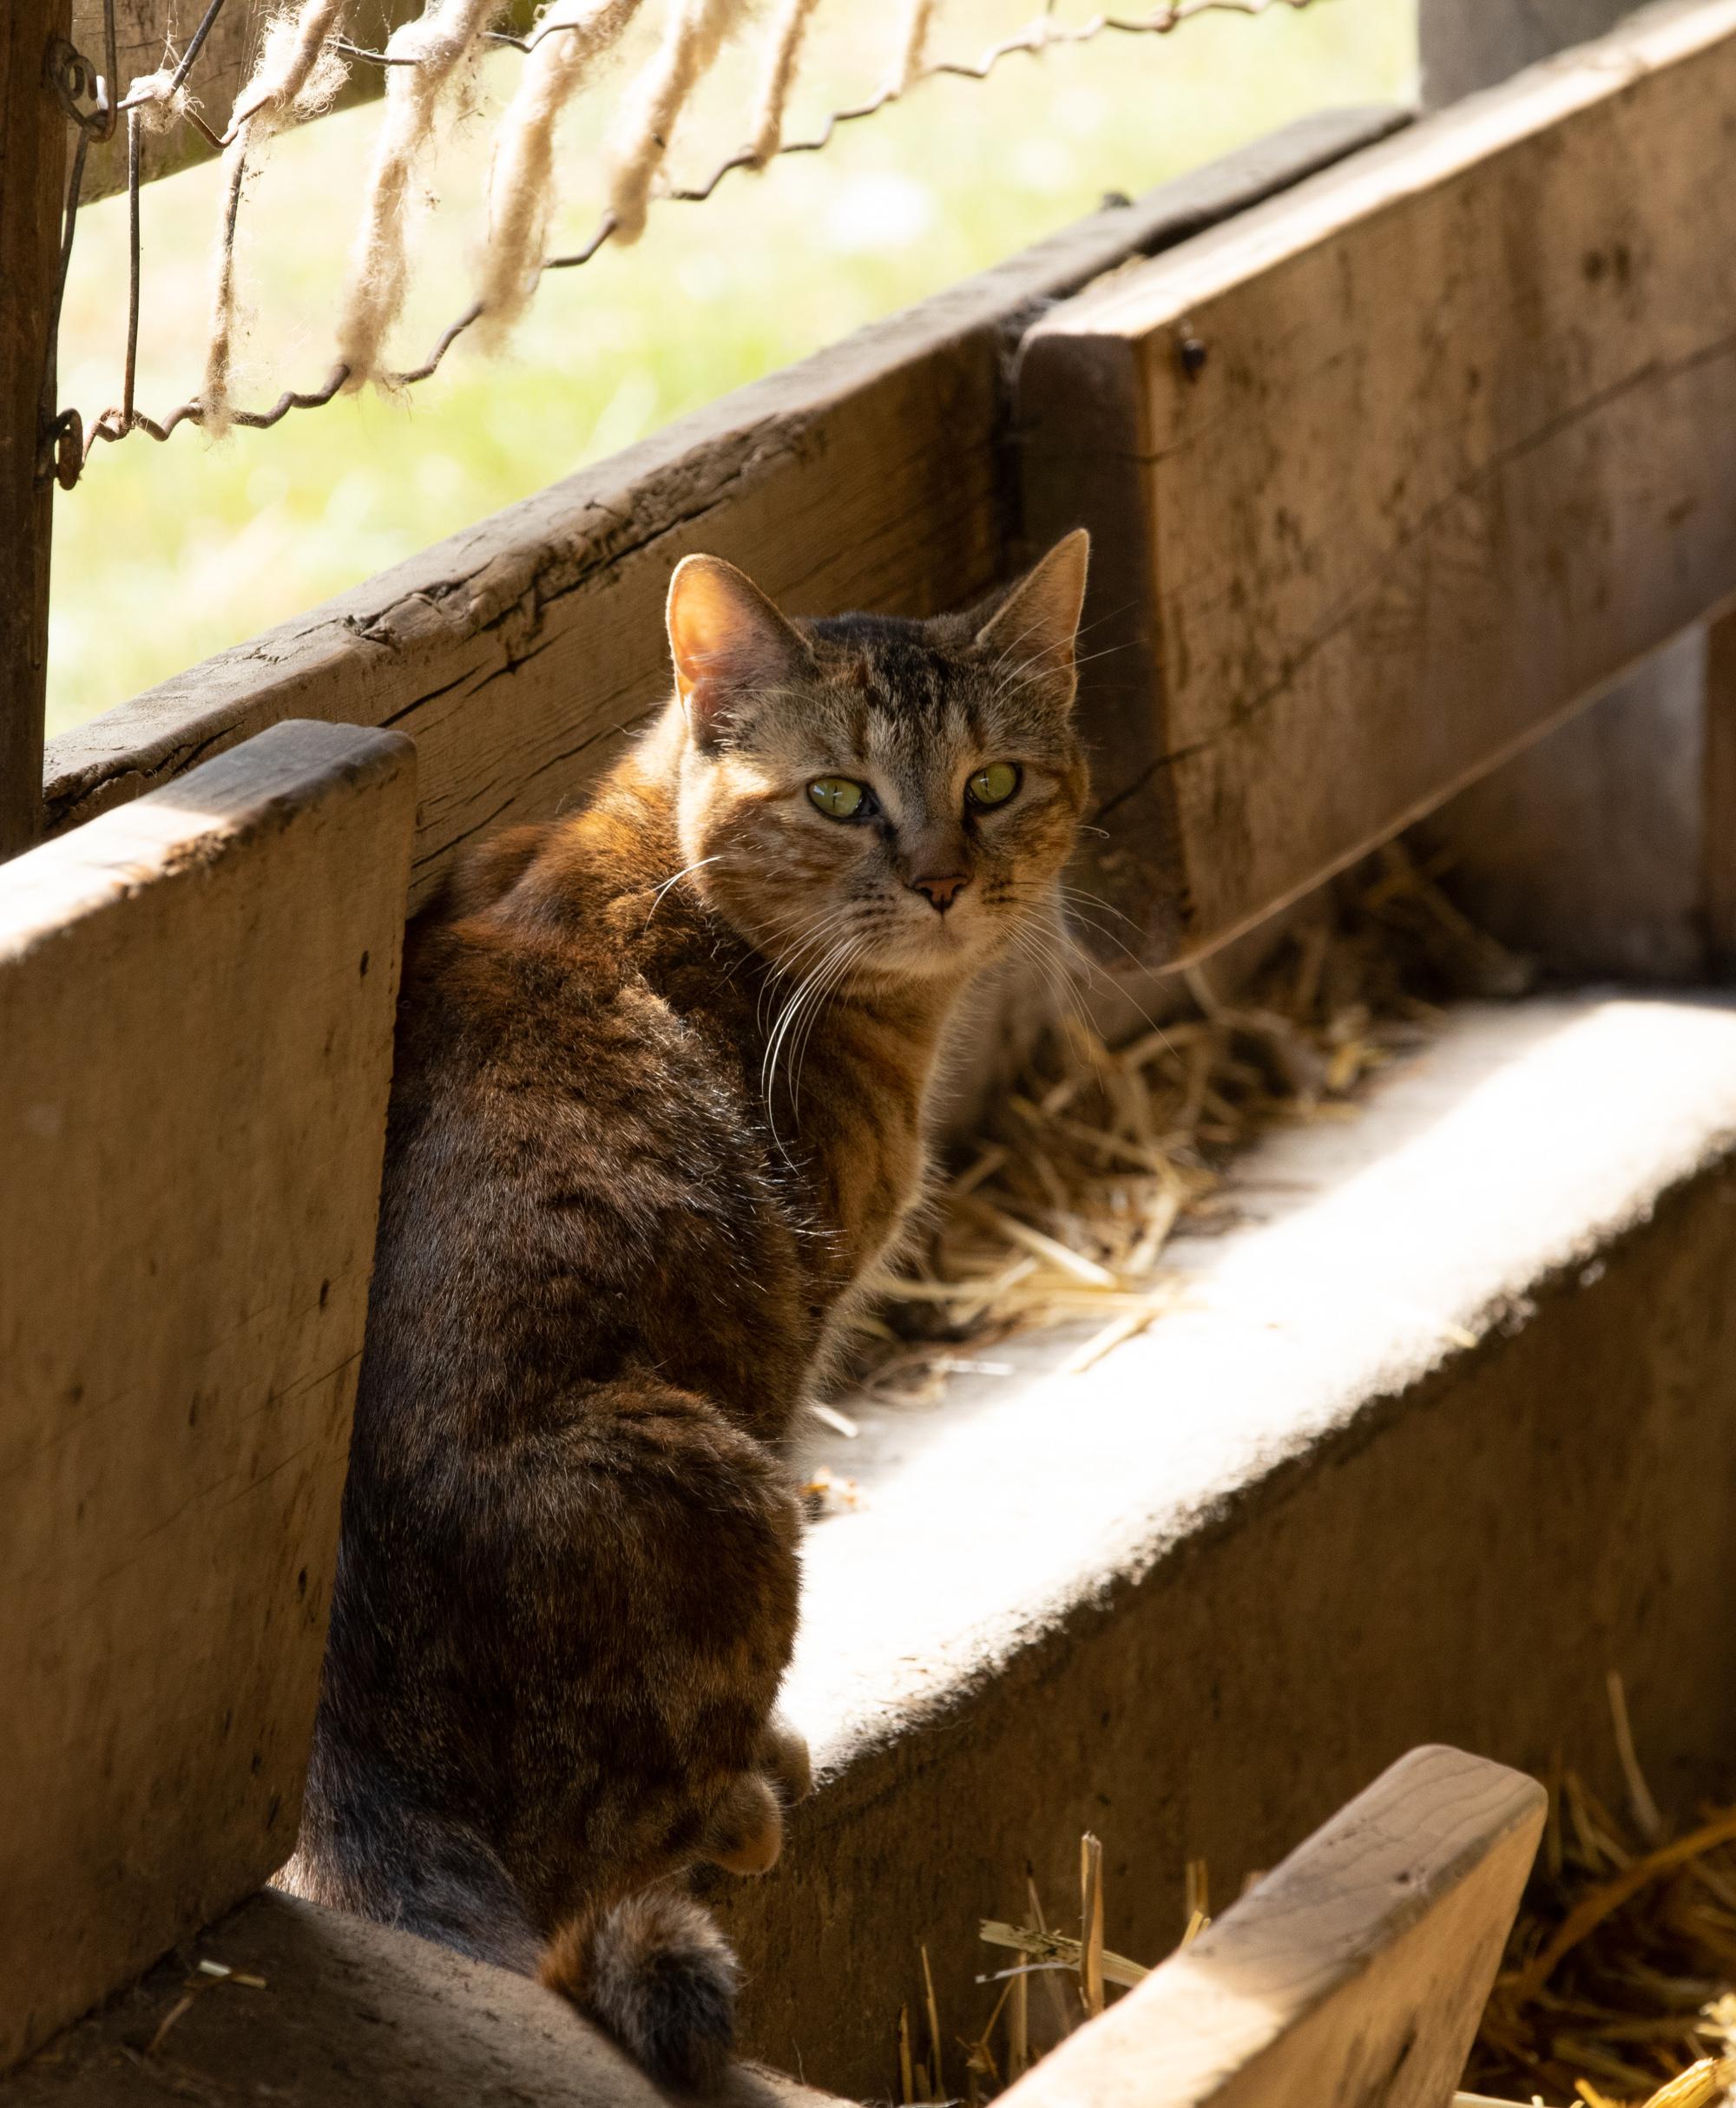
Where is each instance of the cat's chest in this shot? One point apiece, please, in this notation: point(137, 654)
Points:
point(867, 1162)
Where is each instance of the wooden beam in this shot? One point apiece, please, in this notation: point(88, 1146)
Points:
point(32, 164)
point(196, 1002)
point(1356, 1974)
point(1390, 474)
point(332, 2011)
point(520, 652)
point(150, 33)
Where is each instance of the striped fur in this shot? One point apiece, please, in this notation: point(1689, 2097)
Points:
point(659, 1102)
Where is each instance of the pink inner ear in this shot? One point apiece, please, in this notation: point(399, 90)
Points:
point(728, 639)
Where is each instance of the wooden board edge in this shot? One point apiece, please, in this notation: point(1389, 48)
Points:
point(259, 786)
point(1438, 147)
point(580, 530)
point(1430, 1825)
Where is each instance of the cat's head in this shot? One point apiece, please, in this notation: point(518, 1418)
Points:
point(868, 797)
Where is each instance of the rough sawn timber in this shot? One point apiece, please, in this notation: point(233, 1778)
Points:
point(1356, 1974)
point(196, 999)
point(344, 2014)
point(518, 653)
point(1390, 474)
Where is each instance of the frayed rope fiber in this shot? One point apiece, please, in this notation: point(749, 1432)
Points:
point(780, 72)
point(691, 38)
point(159, 104)
point(571, 37)
point(433, 48)
point(301, 69)
point(915, 56)
point(299, 75)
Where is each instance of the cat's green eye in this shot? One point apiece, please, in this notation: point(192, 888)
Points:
point(993, 785)
point(840, 796)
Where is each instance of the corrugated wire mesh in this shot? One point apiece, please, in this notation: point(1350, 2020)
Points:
point(648, 62)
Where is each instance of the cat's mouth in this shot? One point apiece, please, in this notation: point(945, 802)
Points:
point(927, 943)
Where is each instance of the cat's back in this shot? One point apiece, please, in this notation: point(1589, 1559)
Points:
point(575, 1175)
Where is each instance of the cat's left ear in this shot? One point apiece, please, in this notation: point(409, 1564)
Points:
point(1037, 623)
point(729, 643)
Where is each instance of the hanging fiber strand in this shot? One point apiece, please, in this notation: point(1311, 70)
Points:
point(915, 58)
point(426, 54)
point(695, 34)
point(299, 73)
point(571, 37)
point(780, 72)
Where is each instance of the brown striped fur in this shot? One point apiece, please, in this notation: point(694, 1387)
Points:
point(661, 1077)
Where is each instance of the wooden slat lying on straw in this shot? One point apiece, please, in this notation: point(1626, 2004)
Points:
point(1353, 1975)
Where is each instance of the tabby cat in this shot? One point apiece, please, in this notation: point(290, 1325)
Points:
point(658, 1104)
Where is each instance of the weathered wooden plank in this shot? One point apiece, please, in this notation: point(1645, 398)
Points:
point(196, 1000)
point(1535, 855)
point(346, 2014)
point(1391, 473)
point(517, 653)
point(1717, 830)
point(151, 33)
point(1356, 1974)
point(32, 150)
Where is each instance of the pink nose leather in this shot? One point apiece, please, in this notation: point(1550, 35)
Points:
point(940, 893)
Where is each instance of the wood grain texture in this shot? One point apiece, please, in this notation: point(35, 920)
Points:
point(350, 2016)
point(1717, 831)
point(151, 33)
point(1355, 1973)
point(1390, 473)
point(196, 999)
point(1585, 850)
point(519, 653)
point(32, 155)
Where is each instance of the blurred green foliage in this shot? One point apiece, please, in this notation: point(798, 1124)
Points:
point(165, 553)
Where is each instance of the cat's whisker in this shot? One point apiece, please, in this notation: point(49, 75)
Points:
point(657, 897)
point(808, 998)
point(1062, 989)
point(836, 985)
point(782, 969)
point(1015, 685)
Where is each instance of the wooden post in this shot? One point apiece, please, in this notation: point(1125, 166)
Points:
point(1586, 849)
point(32, 170)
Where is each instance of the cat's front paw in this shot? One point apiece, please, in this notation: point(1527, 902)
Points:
point(745, 1832)
point(783, 1756)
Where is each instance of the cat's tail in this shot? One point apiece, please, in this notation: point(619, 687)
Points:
point(656, 1974)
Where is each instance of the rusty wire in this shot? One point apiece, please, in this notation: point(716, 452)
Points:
point(67, 445)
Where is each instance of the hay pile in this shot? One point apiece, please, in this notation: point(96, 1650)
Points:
point(1061, 1210)
point(1620, 1974)
point(1617, 1989)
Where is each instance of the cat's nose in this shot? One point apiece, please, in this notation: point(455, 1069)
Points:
point(940, 893)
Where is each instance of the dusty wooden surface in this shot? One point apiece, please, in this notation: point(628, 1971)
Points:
point(196, 1003)
point(32, 149)
point(1355, 1974)
point(518, 653)
point(343, 2014)
point(151, 33)
point(1390, 473)
point(1587, 850)
point(1718, 821)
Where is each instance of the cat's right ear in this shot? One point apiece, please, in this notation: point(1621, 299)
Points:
point(729, 644)
point(1037, 626)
